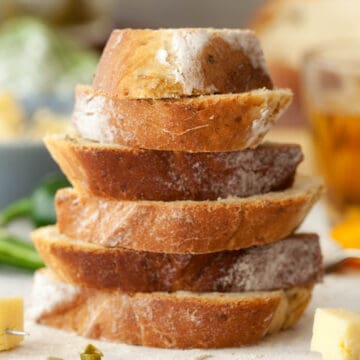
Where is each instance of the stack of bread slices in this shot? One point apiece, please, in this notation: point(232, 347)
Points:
point(178, 232)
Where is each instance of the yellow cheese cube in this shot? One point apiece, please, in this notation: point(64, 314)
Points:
point(336, 334)
point(12, 120)
point(11, 317)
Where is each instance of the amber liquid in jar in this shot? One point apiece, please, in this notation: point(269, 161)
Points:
point(337, 149)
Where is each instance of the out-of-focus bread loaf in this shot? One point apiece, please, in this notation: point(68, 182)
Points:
point(288, 29)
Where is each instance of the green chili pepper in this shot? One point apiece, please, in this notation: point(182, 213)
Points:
point(17, 252)
point(43, 208)
point(39, 207)
point(20, 208)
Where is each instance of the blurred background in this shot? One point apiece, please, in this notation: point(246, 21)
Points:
point(46, 47)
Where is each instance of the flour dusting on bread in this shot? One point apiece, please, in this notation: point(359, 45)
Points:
point(48, 294)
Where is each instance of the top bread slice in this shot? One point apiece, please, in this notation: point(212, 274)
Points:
point(167, 63)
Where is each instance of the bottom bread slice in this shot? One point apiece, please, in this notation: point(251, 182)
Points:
point(166, 320)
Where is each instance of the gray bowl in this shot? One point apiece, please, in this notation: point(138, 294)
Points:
point(23, 164)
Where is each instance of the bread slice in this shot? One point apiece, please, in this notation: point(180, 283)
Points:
point(295, 261)
point(167, 320)
point(124, 173)
point(204, 123)
point(167, 63)
point(186, 226)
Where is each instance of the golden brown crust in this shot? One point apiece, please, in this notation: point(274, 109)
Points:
point(187, 226)
point(251, 269)
point(175, 320)
point(206, 123)
point(180, 62)
point(122, 173)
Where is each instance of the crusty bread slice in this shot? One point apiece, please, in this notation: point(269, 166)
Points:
point(203, 123)
point(125, 173)
point(167, 320)
point(295, 261)
point(166, 63)
point(187, 226)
